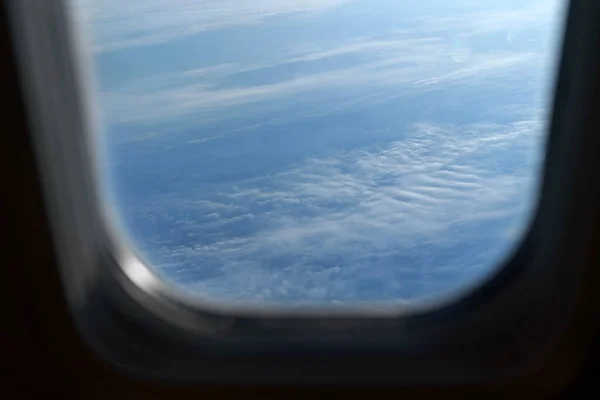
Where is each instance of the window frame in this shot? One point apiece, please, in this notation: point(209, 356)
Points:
point(137, 324)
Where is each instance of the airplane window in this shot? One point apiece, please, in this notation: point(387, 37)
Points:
point(323, 152)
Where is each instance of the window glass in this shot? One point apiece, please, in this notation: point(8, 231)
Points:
point(323, 152)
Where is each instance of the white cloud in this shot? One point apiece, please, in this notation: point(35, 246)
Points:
point(320, 227)
point(392, 222)
point(422, 58)
point(413, 67)
point(119, 24)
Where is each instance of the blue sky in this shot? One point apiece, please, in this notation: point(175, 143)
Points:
point(323, 151)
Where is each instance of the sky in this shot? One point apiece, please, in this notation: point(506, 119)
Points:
point(326, 152)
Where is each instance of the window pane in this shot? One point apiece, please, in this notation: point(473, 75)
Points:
point(291, 152)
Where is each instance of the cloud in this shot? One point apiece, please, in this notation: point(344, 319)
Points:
point(413, 67)
point(530, 14)
point(422, 215)
point(361, 225)
point(121, 24)
point(424, 57)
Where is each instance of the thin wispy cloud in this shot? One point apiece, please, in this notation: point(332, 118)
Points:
point(122, 24)
point(426, 56)
point(424, 65)
point(529, 15)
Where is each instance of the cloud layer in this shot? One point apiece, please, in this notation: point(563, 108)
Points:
point(435, 51)
point(409, 66)
point(122, 24)
point(418, 217)
point(392, 163)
